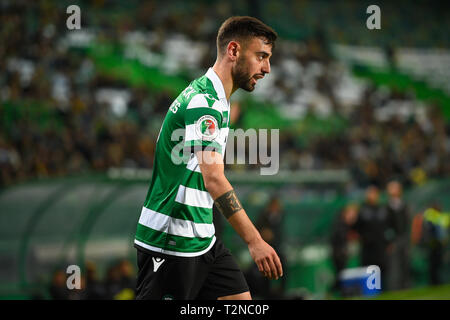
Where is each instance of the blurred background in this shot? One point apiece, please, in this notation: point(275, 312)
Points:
point(364, 119)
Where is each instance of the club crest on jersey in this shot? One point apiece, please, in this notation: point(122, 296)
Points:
point(207, 127)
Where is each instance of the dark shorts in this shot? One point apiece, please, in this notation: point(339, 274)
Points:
point(209, 276)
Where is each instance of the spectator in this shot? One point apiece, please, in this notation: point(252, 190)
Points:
point(127, 281)
point(120, 283)
point(399, 211)
point(436, 228)
point(341, 234)
point(81, 293)
point(113, 282)
point(58, 288)
point(376, 232)
point(269, 224)
point(95, 290)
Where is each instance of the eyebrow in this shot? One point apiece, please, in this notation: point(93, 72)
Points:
point(264, 53)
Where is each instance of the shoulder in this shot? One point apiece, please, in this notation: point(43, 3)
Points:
point(198, 89)
point(199, 99)
point(200, 93)
point(205, 86)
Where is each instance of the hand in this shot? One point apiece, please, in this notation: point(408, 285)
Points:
point(266, 259)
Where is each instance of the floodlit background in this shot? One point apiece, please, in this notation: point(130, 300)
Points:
point(80, 111)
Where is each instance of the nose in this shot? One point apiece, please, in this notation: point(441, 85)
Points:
point(266, 66)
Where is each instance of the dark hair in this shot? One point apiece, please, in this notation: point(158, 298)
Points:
point(242, 28)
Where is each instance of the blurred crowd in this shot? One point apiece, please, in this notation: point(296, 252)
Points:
point(386, 233)
point(62, 115)
point(53, 121)
point(118, 283)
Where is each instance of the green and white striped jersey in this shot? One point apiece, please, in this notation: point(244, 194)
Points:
point(177, 217)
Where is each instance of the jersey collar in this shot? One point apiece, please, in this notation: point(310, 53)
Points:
point(217, 83)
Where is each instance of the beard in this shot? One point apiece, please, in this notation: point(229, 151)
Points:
point(241, 76)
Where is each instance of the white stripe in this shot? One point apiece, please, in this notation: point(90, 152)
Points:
point(198, 101)
point(223, 134)
point(177, 227)
point(219, 106)
point(227, 104)
point(194, 197)
point(217, 83)
point(175, 253)
point(193, 164)
point(221, 139)
point(190, 133)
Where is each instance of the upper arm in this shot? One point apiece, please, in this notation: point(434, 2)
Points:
point(211, 164)
point(204, 138)
point(212, 168)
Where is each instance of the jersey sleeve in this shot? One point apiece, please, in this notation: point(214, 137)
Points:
point(203, 121)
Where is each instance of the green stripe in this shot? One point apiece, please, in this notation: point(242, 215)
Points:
point(225, 119)
point(192, 115)
point(163, 240)
point(194, 180)
point(205, 85)
point(186, 212)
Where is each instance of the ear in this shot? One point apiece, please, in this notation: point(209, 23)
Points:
point(233, 50)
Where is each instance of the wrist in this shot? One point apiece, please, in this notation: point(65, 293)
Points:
point(253, 239)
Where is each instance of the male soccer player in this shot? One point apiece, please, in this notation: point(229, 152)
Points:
point(177, 253)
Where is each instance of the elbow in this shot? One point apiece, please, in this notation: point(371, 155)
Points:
point(213, 182)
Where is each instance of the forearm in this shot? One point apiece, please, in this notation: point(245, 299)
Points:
point(227, 203)
point(224, 197)
point(244, 227)
point(263, 254)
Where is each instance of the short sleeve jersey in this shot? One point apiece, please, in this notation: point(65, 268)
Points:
point(177, 217)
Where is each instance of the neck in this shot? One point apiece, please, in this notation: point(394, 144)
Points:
point(223, 70)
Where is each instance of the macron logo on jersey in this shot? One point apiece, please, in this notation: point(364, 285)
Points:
point(157, 262)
